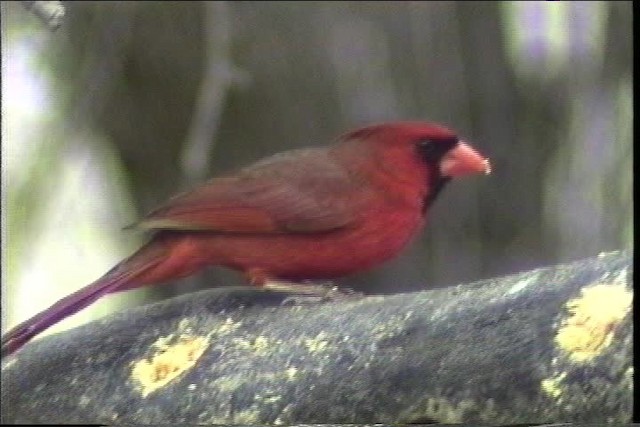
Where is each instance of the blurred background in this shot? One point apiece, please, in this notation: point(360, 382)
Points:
point(130, 102)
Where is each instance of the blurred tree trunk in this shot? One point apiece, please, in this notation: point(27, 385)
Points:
point(287, 74)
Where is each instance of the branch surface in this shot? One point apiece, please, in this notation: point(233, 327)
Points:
point(544, 346)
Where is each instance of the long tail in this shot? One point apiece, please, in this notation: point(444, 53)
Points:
point(130, 273)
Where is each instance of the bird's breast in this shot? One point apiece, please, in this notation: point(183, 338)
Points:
point(381, 235)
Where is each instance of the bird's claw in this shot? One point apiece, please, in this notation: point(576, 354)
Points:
point(302, 300)
point(312, 293)
point(335, 293)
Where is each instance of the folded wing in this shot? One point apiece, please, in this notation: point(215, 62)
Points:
point(301, 191)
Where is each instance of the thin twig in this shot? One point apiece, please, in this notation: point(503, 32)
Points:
point(50, 12)
point(217, 77)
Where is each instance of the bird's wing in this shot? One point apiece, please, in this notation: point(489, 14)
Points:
point(302, 191)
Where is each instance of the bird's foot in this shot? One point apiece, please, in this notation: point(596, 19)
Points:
point(312, 293)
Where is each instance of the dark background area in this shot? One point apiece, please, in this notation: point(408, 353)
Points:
point(170, 93)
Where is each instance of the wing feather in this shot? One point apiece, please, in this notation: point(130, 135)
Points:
point(302, 191)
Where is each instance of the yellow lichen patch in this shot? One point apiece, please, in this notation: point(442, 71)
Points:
point(169, 362)
point(593, 317)
point(291, 373)
point(228, 326)
point(317, 344)
point(260, 345)
point(551, 386)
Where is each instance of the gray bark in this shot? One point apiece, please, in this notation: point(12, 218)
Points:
point(493, 352)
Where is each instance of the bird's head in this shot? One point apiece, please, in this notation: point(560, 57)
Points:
point(419, 154)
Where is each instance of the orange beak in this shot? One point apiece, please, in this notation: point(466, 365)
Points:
point(463, 160)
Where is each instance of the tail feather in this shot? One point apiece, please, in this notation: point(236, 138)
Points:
point(120, 276)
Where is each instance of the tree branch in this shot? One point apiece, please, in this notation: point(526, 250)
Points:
point(545, 346)
point(50, 12)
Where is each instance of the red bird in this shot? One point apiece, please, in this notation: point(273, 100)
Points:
point(311, 213)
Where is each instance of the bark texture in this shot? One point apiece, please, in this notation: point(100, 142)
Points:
point(547, 345)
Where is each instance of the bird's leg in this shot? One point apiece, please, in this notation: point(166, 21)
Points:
point(306, 292)
point(310, 293)
point(302, 294)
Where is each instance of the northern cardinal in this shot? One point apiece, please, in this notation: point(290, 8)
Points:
point(311, 213)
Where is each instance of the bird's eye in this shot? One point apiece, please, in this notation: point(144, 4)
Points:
point(427, 146)
point(432, 150)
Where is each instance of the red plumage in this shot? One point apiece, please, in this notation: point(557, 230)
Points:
point(313, 213)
